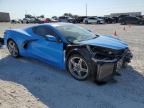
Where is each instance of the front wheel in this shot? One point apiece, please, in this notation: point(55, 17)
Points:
point(13, 49)
point(123, 23)
point(78, 67)
point(98, 22)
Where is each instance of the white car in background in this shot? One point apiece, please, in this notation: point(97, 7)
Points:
point(95, 20)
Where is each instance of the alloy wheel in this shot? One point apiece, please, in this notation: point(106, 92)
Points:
point(78, 68)
point(12, 47)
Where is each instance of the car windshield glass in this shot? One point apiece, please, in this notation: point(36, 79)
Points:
point(75, 33)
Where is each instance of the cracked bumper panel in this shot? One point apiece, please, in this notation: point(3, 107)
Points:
point(104, 69)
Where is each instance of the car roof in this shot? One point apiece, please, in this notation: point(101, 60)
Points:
point(58, 24)
point(47, 24)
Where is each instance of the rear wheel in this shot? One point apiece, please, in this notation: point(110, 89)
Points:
point(78, 67)
point(13, 49)
point(140, 23)
point(98, 22)
point(123, 23)
point(86, 22)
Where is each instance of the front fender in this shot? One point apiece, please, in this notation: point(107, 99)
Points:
point(84, 52)
point(79, 50)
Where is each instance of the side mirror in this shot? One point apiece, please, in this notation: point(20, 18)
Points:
point(51, 38)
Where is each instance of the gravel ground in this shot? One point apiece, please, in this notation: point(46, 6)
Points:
point(28, 83)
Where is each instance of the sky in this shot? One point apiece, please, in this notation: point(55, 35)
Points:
point(49, 8)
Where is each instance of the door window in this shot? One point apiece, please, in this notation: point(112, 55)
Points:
point(92, 18)
point(43, 31)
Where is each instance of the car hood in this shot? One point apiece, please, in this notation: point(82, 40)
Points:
point(106, 41)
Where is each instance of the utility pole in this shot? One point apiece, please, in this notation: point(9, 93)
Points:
point(86, 9)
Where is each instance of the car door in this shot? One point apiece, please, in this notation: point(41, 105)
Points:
point(126, 20)
point(134, 20)
point(46, 50)
point(92, 20)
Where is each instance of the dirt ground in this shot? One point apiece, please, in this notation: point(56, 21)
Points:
point(28, 83)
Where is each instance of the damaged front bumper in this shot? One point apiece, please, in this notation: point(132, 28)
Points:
point(106, 69)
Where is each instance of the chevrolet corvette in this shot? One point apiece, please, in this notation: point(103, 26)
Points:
point(67, 46)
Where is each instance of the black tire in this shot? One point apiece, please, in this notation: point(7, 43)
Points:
point(86, 22)
point(123, 23)
point(140, 23)
point(98, 22)
point(14, 51)
point(85, 65)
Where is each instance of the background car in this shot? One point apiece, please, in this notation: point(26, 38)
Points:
point(67, 19)
point(108, 20)
point(80, 19)
point(115, 19)
point(68, 46)
point(95, 20)
point(48, 20)
point(13, 21)
point(72, 20)
point(131, 20)
point(26, 20)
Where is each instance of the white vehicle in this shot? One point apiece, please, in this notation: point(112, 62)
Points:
point(93, 20)
point(66, 19)
point(26, 20)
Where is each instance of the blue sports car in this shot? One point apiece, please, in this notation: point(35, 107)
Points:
point(68, 46)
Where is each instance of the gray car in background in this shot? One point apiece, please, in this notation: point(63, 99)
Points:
point(96, 20)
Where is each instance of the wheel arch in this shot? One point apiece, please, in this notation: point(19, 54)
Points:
point(9, 40)
point(84, 53)
point(11, 35)
point(80, 50)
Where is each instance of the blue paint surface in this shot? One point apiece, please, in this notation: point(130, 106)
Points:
point(53, 52)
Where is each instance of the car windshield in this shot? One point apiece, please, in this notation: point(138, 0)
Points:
point(75, 33)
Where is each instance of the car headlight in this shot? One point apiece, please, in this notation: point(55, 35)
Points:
point(99, 50)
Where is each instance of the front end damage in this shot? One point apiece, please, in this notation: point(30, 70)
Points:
point(104, 62)
point(108, 61)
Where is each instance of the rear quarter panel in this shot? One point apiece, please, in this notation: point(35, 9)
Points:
point(19, 36)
